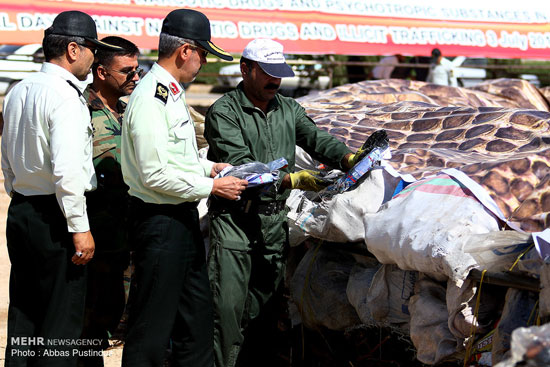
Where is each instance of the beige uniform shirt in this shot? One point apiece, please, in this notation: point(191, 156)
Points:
point(160, 161)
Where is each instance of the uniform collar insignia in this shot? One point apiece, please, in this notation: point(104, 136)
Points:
point(161, 92)
point(175, 89)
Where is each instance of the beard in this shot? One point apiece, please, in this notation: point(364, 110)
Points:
point(272, 86)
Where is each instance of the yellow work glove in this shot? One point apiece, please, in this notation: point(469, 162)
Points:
point(377, 139)
point(308, 180)
point(354, 158)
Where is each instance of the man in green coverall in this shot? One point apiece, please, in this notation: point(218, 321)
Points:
point(116, 74)
point(248, 238)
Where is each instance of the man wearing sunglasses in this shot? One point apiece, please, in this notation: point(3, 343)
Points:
point(115, 75)
point(167, 178)
point(47, 165)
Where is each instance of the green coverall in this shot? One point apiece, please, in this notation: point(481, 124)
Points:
point(246, 260)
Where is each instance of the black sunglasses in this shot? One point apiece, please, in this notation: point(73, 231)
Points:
point(129, 74)
point(196, 48)
point(91, 47)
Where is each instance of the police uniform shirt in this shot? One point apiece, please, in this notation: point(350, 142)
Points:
point(160, 161)
point(47, 142)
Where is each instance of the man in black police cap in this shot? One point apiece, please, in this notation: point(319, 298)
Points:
point(47, 165)
point(172, 304)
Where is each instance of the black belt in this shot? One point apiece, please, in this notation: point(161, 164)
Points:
point(137, 203)
point(248, 206)
point(271, 207)
point(33, 198)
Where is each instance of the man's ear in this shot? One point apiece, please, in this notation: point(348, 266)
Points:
point(185, 51)
point(101, 72)
point(244, 68)
point(73, 50)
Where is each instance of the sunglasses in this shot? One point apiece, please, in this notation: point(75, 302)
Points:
point(91, 47)
point(129, 74)
point(205, 53)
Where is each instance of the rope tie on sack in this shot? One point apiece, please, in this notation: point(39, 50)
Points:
point(534, 312)
point(520, 256)
point(470, 345)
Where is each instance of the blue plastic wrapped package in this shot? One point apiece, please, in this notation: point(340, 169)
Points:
point(256, 173)
point(345, 182)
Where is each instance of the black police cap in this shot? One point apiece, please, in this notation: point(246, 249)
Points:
point(77, 24)
point(194, 25)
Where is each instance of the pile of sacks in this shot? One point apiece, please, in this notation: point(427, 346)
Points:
point(422, 243)
point(424, 221)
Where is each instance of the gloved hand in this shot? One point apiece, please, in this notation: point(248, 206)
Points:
point(377, 139)
point(308, 180)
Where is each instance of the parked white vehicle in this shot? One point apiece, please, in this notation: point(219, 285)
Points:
point(466, 75)
point(531, 78)
point(16, 62)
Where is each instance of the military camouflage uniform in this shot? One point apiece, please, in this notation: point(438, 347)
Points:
point(107, 214)
point(107, 127)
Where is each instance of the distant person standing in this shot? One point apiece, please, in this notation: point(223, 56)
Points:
point(356, 73)
point(387, 66)
point(441, 70)
point(47, 165)
point(421, 72)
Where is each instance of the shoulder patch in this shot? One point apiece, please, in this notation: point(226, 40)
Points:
point(161, 92)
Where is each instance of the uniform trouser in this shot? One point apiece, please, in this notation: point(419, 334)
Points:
point(47, 291)
point(246, 264)
point(106, 298)
point(105, 301)
point(172, 300)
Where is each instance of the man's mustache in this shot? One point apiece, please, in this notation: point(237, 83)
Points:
point(272, 86)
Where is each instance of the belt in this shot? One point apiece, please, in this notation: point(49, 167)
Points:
point(248, 206)
point(271, 207)
point(152, 207)
point(32, 198)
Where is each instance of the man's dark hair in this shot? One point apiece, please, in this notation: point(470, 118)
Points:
point(436, 53)
point(249, 63)
point(55, 45)
point(105, 57)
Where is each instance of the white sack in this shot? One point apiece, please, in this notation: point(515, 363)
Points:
point(524, 339)
point(389, 295)
point(461, 303)
point(340, 218)
point(359, 282)
point(318, 288)
point(426, 226)
point(428, 327)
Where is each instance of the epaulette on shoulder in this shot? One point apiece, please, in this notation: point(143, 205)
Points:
point(161, 92)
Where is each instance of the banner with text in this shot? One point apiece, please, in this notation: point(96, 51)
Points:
point(345, 27)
